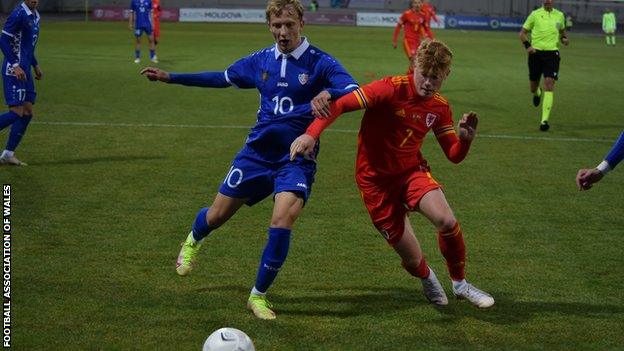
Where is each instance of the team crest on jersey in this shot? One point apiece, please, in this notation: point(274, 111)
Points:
point(430, 120)
point(303, 78)
point(265, 76)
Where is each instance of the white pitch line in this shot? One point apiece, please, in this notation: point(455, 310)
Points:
point(208, 126)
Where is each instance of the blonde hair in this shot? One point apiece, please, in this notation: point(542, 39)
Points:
point(433, 58)
point(276, 7)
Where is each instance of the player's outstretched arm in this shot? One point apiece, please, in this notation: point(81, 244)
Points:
point(467, 126)
point(155, 74)
point(585, 178)
point(456, 147)
point(304, 144)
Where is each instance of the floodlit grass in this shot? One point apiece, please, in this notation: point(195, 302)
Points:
point(99, 214)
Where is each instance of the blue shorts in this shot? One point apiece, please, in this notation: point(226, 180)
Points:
point(16, 91)
point(138, 31)
point(255, 179)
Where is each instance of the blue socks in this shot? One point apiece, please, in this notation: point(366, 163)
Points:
point(137, 53)
point(7, 119)
point(18, 129)
point(273, 258)
point(200, 226)
point(152, 53)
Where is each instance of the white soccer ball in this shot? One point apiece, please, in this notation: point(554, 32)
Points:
point(228, 339)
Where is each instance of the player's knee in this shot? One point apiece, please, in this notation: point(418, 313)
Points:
point(285, 220)
point(19, 110)
point(445, 223)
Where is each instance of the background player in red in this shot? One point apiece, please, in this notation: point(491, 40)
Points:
point(429, 12)
point(156, 12)
point(412, 21)
point(392, 174)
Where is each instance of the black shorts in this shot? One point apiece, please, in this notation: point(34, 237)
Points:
point(544, 63)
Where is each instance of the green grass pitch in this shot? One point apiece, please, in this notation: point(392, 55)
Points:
point(119, 167)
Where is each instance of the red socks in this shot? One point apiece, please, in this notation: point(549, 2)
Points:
point(421, 271)
point(452, 247)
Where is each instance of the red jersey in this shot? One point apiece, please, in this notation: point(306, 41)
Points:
point(413, 26)
point(429, 13)
point(395, 124)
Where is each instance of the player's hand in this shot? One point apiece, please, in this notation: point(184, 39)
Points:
point(303, 145)
point(38, 73)
point(154, 74)
point(467, 126)
point(530, 50)
point(19, 73)
point(585, 178)
point(565, 41)
point(320, 104)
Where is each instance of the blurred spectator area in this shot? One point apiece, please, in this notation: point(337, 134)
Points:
point(582, 11)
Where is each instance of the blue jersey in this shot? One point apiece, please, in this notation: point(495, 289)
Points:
point(19, 38)
point(287, 83)
point(142, 13)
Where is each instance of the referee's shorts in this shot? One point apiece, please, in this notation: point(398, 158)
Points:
point(544, 63)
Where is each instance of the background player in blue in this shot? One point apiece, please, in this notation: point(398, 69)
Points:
point(585, 178)
point(140, 21)
point(18, 40)
point(294, 79)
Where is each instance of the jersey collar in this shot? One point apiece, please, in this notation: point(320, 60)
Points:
point(295, 53)
point(29, 11)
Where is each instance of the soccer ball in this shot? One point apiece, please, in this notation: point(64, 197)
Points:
point(228, 339)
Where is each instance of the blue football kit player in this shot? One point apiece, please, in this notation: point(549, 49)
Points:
point(18, 41)
point(140, 21)
point(585, 178)
point(295, 80)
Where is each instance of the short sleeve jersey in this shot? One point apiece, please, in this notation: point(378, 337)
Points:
point(142, 10)
point(22, 26)
point(287, 83)
point(544, 27)
point(413, 24)
point(396, 122)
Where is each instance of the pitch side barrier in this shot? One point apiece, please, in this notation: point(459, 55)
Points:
point(484, 23)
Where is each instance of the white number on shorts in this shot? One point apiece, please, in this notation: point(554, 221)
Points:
point(234, 173)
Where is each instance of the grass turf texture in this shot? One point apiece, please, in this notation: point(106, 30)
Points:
point(99, 214)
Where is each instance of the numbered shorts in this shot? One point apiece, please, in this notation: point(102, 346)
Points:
point(544, 63)
point(138, 31)
point(389, 199)
point(16, 91)
point(256, 179)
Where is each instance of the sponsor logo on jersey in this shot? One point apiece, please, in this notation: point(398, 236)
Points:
point(302, 185)
point(430, 120)
point(303, 78)
point(282, 84)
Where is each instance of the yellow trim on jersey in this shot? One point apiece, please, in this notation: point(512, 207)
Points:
point(445, 133)
point(361, 97)
point(443, 130)
point(400, 80)
point(440, 98)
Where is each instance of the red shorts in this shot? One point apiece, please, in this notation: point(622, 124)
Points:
point(389, 199)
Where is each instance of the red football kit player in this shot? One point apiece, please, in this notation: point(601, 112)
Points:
point(412, 21)
point(156, 13)
point(429, 13)
point(392, 174)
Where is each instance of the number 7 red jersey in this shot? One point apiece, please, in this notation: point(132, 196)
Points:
point(395, 124)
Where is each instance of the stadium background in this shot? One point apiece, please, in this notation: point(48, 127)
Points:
point(583, 11)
